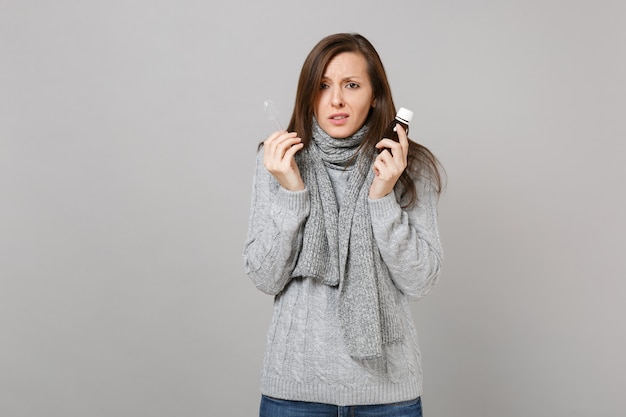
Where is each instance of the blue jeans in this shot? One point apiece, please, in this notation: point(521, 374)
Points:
point(273, 407)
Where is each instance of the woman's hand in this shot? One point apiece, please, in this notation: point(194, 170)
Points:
point(278, 157)
point(389, 164)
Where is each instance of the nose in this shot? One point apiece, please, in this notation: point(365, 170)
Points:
point(337, 98)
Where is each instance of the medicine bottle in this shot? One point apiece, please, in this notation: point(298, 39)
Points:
point(403, 118)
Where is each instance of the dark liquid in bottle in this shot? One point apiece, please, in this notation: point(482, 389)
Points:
point(390, 131)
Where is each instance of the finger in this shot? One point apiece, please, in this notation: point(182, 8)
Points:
point(277, 145)
point(286, 144)
point(383, 162)
point(391, 145)
point(389, 165)
point(384, 157)
point(384, 172)
point(278, 137)
point(403, 138)
point(273, 137)
point(379, 165)
point(280, 156)
point(291, 152)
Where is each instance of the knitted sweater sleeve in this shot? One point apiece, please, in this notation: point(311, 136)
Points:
point(408, 240)
point(274, 236)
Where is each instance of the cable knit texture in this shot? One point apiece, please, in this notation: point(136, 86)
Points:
point(309, 356)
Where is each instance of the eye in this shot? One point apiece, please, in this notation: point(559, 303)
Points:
point(352, 85)
point(323, 86)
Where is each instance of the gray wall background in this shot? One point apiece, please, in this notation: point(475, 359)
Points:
point(127, 139)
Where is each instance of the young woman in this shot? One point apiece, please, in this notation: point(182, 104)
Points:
point(343, 231)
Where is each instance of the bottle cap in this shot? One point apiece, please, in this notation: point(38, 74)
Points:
point(405, 114)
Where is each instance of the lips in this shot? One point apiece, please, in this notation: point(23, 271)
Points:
point(338, 118)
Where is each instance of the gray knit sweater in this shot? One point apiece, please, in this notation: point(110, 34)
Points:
point(305, 358)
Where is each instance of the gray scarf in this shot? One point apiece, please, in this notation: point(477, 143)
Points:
point(338, 247)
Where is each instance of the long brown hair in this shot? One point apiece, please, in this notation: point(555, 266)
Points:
point(421, 161)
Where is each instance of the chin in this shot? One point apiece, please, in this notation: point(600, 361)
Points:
point(339, 132)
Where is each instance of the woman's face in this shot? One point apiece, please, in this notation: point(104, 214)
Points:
point(345, 96)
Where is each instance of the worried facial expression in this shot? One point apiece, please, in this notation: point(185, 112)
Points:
point(345, 96)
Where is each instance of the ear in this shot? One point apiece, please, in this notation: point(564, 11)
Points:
point(373, 103)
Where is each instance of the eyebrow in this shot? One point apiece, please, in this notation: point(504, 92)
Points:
point(348, 78)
